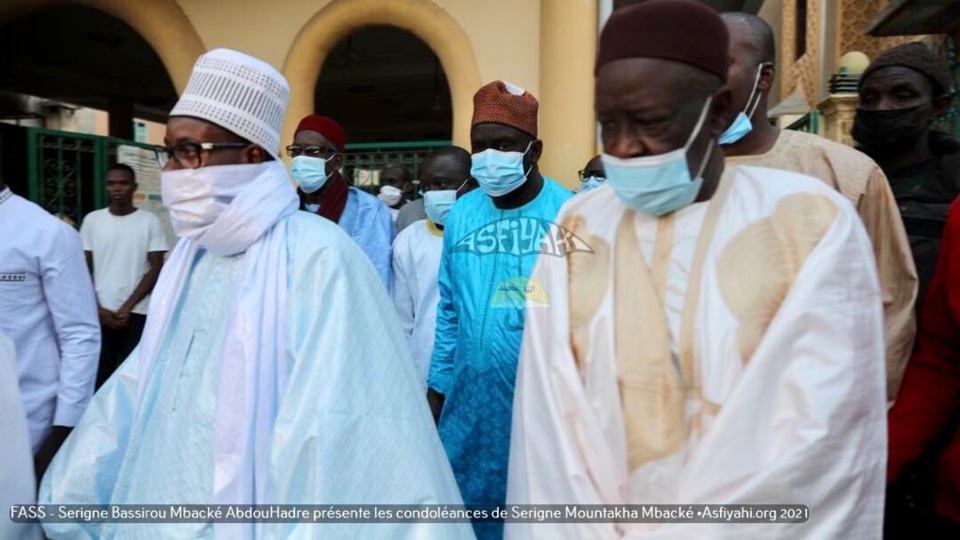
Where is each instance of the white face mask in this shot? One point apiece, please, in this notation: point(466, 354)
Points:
point(198, 198)
point(389, 195)
point(661, 184)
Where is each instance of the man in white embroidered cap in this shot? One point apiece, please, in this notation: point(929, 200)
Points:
point(248, 386)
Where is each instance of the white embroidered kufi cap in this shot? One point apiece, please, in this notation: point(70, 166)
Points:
point(239, 93)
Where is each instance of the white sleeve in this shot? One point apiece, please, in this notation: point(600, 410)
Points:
point(806, 423)
point(69, 294)
point(401, 293)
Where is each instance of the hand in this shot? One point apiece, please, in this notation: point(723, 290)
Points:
point(123, 313)
point(107, 318)
point(48, 449)
point(122, 316)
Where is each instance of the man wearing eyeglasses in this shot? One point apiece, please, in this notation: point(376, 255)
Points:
point(592, 176)
point(444, 178)
point(317, 153)
point(250, 385)
point(752, 140)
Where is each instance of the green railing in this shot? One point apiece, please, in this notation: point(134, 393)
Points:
point(361, 161)
point(809, 123)
point(67, 170)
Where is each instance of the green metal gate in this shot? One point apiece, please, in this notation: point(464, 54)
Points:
point(374, 156)
point(67, 171)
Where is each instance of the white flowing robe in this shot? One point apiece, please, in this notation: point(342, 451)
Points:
point(351, 427)
point(787, 348)
point(416, 289)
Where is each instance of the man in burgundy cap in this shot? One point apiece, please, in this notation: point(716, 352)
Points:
point(492, 237)
point(722, 342)
point(317, 153)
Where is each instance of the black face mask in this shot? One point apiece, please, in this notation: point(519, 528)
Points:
point(890, 129)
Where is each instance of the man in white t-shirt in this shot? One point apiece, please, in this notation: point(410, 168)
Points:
point(445, 175)
point(124, 248)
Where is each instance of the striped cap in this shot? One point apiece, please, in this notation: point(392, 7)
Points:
point(239, 93)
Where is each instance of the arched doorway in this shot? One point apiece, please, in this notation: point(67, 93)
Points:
point(385, 85)
point(60, 97)
point(388, 90)
point(422, 18)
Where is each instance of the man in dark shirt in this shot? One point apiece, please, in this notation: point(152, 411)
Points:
point(902, 93)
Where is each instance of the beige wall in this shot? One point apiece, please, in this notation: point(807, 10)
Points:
point(505, 34)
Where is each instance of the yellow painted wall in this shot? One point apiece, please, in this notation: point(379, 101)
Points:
point(505, 34)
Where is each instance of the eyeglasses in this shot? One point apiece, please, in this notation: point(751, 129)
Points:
point(189, 154)
point(600, 175)
point(295, 150)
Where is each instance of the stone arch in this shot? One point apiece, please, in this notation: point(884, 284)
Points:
point(422, 18)
point(161, 23)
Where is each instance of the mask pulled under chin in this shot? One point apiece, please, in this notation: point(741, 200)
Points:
point(879, 130)
point(225, 208)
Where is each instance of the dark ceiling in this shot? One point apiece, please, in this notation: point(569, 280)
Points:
point(748, 6)
point(384, 84)
point(85, 57)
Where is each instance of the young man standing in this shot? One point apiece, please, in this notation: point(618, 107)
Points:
point(124, 248)
point(444, 178)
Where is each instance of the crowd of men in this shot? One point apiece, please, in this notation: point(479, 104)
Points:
point(724, 313)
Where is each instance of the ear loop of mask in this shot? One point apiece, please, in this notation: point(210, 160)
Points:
point(696, 133)
point(755, 93)
point(525, 174)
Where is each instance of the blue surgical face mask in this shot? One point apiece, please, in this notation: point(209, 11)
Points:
point(437, 204)
point(742, 125)
point(592, 182)
point(661, 184)
point(498, 172)
point(310, 173)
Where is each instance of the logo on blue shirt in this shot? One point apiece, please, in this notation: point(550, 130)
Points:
point(521, 236)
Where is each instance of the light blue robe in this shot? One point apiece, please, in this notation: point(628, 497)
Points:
point(488, 254)
point(352, 426)
point(369, 223)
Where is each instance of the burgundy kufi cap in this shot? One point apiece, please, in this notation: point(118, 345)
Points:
point(504, 103)
point(678, 30)
point(328, 127)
